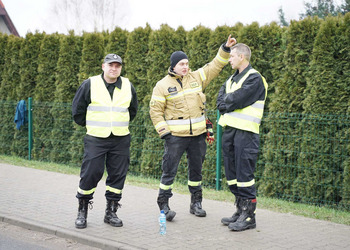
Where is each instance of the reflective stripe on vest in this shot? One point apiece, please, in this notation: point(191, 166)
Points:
point(104, 115)
point(184, 124)
point(248, 118)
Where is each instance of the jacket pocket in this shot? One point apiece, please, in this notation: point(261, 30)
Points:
point(179, 103)
point(202, 100)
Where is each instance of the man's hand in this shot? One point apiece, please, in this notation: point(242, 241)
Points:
point(230, 41)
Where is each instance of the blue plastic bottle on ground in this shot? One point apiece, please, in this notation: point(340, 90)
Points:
point(162, 223)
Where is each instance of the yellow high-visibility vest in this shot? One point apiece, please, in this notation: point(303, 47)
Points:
point(248, 118)
point(105, 115)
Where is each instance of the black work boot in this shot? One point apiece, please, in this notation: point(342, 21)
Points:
point(247, 218)
point(81, 222)
point(227, 220)
point(196, 204)
point(163, 204)
point(111, 216)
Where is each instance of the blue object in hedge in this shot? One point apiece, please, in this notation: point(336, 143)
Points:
point(21, 114)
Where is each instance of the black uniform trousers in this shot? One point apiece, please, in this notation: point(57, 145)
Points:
point(174, 148)
point(240, 151)
point(112, 152)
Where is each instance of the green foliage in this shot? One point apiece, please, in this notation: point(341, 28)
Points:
point(162, 44)
point(47, 65)
point(345, 202)
point(289, 87)
point(10, 73)
point(271, 48)
point(66, 85)
point(181, 36)
point(251, 35)
point(217, 38)
point(45, 86)
point(197, 49)
point(344, 8)
point(284, 136)
point(136, 71)
point(29, 55)
point(92, 55)
point(28, 69)
point(9, 84)
point(42, 126)
point(7, 130)
point(328, 86)
point(327, 92)
point(278, 65)
point(68, 63)
point(77, 145)
point(134, 62)
point(3, 42)
point(321, 9)
point(282, 18)
point(117, 42)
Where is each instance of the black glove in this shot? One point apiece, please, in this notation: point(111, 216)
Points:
point(222, 108)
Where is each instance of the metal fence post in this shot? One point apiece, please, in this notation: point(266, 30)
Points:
point(30, 129)
point(218, 152)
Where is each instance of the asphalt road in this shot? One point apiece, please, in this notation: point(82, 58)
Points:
point(17, 238)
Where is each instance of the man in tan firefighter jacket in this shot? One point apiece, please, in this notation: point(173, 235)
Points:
point(177, 111)
point(105, 104)
point(241, 102)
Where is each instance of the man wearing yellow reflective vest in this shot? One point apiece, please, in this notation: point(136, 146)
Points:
point(241, 102)
point(105, 104)
point(177, 110)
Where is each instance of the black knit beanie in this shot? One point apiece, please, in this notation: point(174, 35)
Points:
point(176, 57)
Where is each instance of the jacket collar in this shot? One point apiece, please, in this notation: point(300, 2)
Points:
point(237, 76)
point(117, 84)
point(172, 73)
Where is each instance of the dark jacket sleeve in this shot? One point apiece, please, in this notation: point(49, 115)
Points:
point(133, 104)
point(251, 91)
point(81, 101)
point(220, 102)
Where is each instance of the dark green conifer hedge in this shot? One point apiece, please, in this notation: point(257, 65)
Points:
point(305, 131)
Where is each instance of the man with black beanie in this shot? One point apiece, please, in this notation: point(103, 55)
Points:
point(176, 57)
point(177, 110)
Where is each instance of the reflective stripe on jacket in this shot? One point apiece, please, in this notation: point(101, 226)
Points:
point(248, 118)
point(104, 115)
point(179, 108)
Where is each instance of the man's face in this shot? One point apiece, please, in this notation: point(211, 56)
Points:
point(181, 68)
point(111, 71)
point(235, 59)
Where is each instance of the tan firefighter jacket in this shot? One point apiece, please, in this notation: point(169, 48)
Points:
point(179, 110)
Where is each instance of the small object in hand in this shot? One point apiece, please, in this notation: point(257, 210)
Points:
point(210, 133)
